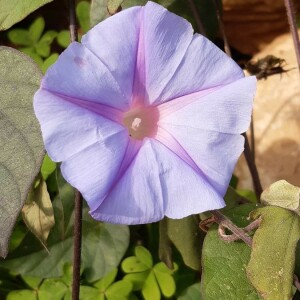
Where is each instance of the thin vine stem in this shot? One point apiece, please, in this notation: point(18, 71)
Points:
point(252, 168)
point(77, 246)
point(78, 198)
point(197, 17)
point(290, 10)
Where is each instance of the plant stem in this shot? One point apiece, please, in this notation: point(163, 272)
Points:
point(223, 221)
point(77, 246)
point(197, 17)
point(78, 199)
point(72, 21)
point(222, 29)
point(252, 168)
point(290, 10)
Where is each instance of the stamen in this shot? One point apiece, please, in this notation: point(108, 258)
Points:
point(141, 121)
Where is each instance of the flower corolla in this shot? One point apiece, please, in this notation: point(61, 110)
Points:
point(146, 117)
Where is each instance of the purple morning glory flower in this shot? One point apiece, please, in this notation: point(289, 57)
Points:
point(146, 117)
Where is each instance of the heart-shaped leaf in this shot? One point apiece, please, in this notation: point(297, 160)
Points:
point(21, 143)
point(13, 11)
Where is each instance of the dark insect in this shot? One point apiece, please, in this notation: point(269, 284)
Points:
point(266, 67)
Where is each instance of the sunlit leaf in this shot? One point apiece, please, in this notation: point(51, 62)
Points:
point(13, 11)
point(107, 280)
point(38, 212)
point(272, 262)
point(150, 289)
point(283, 194)
point(119, 290)
point(113, 6)
point(21, 143)
point(224, 275)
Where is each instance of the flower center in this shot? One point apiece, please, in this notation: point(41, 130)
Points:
point(141, 121)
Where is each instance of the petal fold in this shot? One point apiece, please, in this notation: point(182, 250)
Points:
point(80, 74)
point(226, 110)
point(68, 128)
point(157, 183)
point(114, 41)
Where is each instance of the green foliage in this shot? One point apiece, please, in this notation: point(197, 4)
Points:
point(282, 194)
point(103, 244)
point(48, 167)
point(224, 275)
point(22, 148)
point(83, 15)
point(32, 41)
point(14, 11)
point(191, 293)
point(187, 238)
point(272, 262)
point(152, 280)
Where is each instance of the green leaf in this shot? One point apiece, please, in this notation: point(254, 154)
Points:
point(49, 37)
point(137, 279)
point(13, 11)
point(191, 293)
point(30, 51)
point(83, 15)
point(38, 212)
point(48, 166)
point(150, 289)
point(165, 281)
point(272, 262)
point(52, 289)
point(132, 265)
point(90, 293)
point(144, 256)
point(103, 245)
point(98, 12)
point(42, 49)
point(107, 280)
point(224, 275)
point(46, 64)
point(63, 38)
point(282, 194)
point(188, 239)
point(21, 143)
point(22, 295)
point(19, 37)
point(113, 6)
point(119, 290)
point(36, 29)
point(32, 282)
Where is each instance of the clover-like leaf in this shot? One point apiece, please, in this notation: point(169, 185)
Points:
point(13, 11)
point(22, 295)
point(152, 280)
point(83, 15)
point(283, 194)
point(22, 148)
point(272, 262)
point(36, 29)
point(224, 275)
